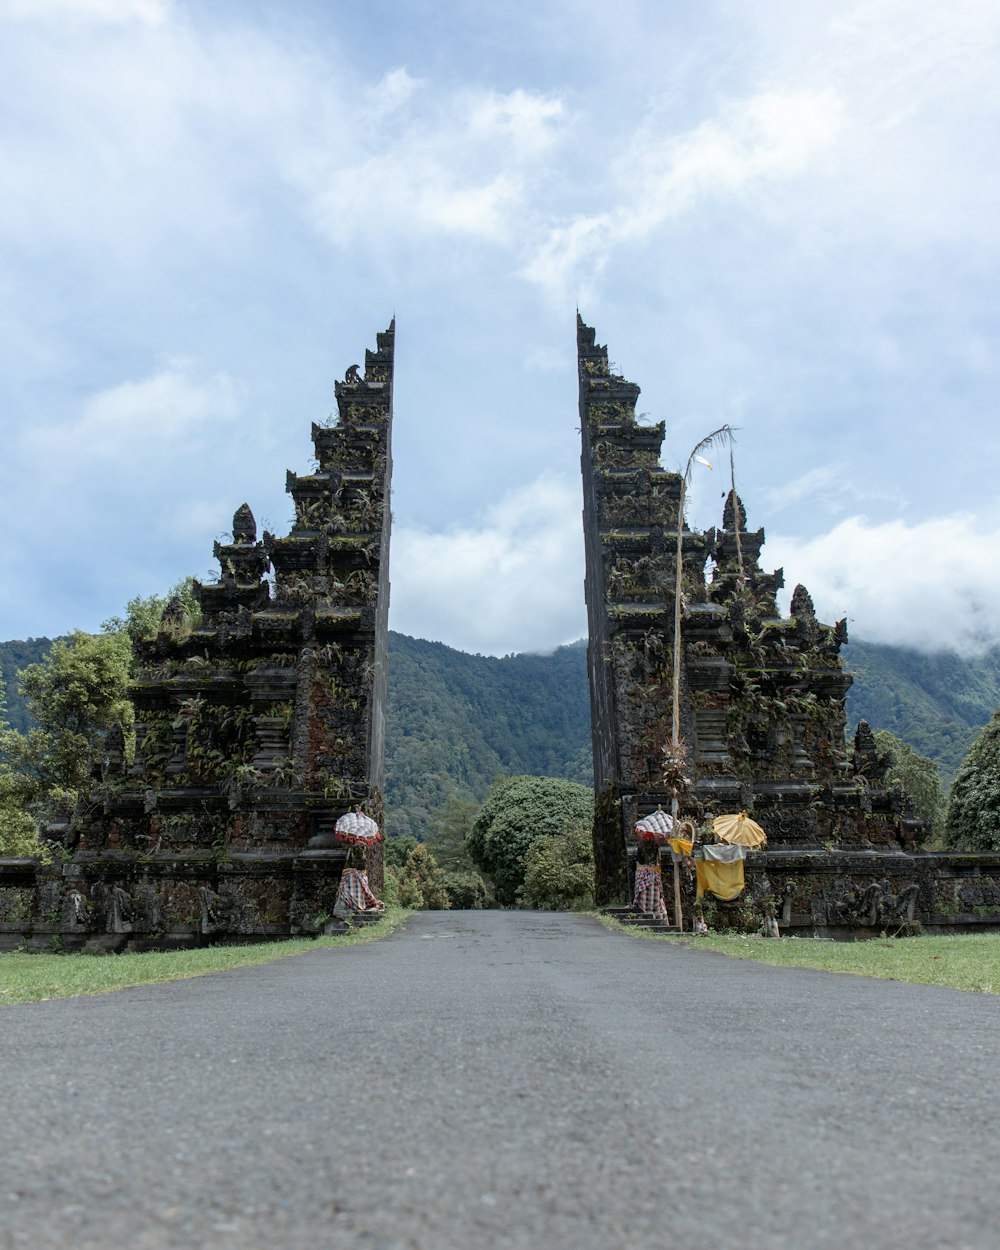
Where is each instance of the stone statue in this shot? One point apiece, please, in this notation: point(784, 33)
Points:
point(119, 911)
point(76, 907)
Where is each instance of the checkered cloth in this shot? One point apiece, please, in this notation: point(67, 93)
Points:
point(355, 894)
point(648, 895)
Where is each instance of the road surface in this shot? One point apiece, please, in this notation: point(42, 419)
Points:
point(509, 1080)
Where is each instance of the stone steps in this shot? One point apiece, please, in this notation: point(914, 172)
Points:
point(639, 919)
point(358, 920)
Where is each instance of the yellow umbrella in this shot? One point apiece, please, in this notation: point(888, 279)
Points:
point(739, 830)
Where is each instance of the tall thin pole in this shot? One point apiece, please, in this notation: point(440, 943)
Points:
point(724, 434)
point(675, 731)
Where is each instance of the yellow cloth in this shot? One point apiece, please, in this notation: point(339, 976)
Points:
point(725, 881)
point(680, 846)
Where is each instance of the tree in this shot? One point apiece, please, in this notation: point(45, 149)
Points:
point(467, 891)
point(421, 882)
point(918, 776)
point(451, 823)
point(143, 615)
point(75, 695)
point(559, 871)
point(974, 809)
point(518, 811)
point(18, 828)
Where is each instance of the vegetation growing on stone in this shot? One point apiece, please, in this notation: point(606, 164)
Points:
point(919, 777)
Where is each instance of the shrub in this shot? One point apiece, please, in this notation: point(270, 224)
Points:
point(559, 872)
point(466, 891)
point(518, 811)
point(421, 881)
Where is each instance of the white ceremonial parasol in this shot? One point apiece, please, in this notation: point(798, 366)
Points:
point(658, 826)
point(356, 827)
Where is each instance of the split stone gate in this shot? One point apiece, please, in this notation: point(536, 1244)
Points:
point(264, 722)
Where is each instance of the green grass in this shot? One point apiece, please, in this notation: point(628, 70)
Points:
point(34, 978)
point(963, 961)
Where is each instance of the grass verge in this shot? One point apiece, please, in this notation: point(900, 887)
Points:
point(35, 978)
point(962, 961)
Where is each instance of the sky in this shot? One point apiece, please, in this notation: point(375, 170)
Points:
point(779, 215)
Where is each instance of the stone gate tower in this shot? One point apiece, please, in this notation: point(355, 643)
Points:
point(762, 698)
point(258, 725)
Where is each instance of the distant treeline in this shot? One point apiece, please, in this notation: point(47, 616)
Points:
point(456, 721)
point(937, 703)
point(13, 657)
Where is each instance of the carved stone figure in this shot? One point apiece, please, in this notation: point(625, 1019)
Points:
point(77, 909)
point(119, 918)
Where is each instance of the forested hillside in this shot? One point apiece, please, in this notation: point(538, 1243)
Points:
point(13, 657)
point(455, 720)
point(938, 703)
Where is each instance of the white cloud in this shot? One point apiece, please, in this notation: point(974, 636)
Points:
point(926, 585)
point(463, 165)
point(513, 581)
point(831, 486)
point(393, 90)
point(100, 12)
point(773, 135)
point(527, 120)
point(136, 420)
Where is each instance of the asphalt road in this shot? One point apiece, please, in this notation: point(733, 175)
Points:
point(503, 1079)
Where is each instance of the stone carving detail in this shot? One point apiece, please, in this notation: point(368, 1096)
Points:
point(76, 910)
point(874, 906)
point(119, 911)
point(734, 508)
point(802, 604)
point(870, 763)
point(244, 525)
point(227, 912)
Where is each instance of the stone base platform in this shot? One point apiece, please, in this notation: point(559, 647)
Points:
point(116, 901)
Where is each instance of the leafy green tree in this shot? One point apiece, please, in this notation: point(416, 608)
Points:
point(397, 850)
point(451, 823)
point(18, 828)
point(75, 694)
point(143, 615)
point(420, 882)
point(467, 891)
point(919, 777)
point(517, 811)
point(974, 808)
point(559, 871)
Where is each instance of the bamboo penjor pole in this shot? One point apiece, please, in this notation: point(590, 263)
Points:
point(724, 434)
